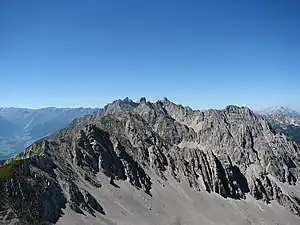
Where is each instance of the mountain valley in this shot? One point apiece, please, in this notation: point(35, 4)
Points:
point(20, 127)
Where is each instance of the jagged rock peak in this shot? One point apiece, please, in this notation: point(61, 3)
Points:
point(127, 99)
point(240, 109)
point(165, 99)
point(143, 100)
point(119, 106)
point(235, 108)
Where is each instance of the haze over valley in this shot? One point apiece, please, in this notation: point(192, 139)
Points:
point(20, 127)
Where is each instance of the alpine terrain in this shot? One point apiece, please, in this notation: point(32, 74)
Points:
point(156, 163)
point(20, 127)
point(283, 120)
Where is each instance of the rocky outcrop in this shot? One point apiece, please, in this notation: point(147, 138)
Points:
point(231, 152)
point(80, 200)
point(32, 194)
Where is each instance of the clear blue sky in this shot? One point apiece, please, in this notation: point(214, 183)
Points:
point(198, 53)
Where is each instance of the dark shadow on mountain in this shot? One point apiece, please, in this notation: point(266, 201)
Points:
point(113, 165)
point(240, 179)
point(224, 185)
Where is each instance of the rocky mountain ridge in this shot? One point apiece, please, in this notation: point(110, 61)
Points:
point(149, 146)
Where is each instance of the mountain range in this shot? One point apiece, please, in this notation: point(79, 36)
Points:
point(156, 163)
point(20, 127)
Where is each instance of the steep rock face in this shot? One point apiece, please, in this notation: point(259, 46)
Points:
point(230, 152)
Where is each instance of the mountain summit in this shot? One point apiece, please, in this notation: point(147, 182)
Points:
point(156, 163)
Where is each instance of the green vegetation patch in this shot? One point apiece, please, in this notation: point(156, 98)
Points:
point(7, 170)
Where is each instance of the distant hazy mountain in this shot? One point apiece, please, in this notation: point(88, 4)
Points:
point(7, 128)
point(278, 110)
point(283, 120)
point(19, 127)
